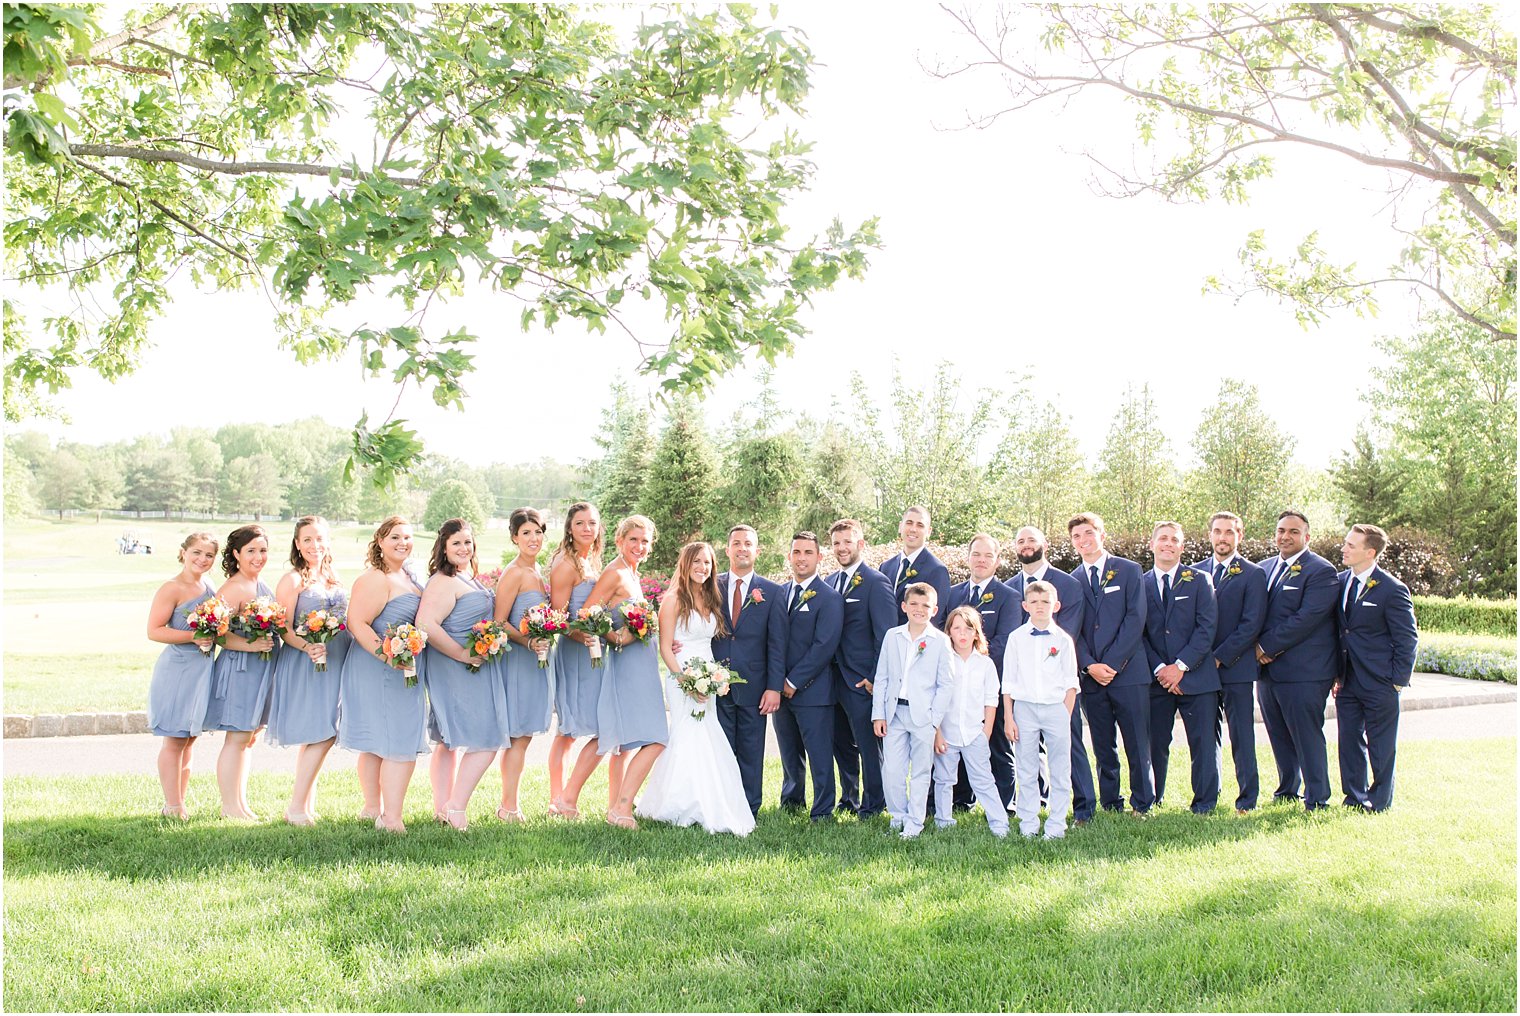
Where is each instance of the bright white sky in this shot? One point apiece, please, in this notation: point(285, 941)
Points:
point(999, 257)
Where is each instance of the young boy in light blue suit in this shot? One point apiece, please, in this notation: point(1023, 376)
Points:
point(911, 693)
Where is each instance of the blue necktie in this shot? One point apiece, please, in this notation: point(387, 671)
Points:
point(1218, 573)
point(1092, 578)
point(1166, 594)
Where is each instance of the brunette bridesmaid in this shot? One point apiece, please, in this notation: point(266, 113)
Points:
point(528, 694)
point(303, 704)
point(181, 686)
point(380, 715)
point(241, 676)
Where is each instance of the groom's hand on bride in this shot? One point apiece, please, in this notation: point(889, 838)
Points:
point(770, 702)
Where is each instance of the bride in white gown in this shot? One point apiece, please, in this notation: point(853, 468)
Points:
point(696, 779)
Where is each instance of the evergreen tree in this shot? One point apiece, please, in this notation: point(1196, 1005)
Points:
point(677, 493)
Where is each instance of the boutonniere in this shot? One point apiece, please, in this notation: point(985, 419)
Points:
point(1233, 569)
point(1367, 588)
point(1054, 651)
point(1295, 568)
point(1186, 576)
point(922, 645)
point(1109, 577)
point(912, 573)
point(806, 596)
point(755, 596)
point(986, 597)
point(855, 581)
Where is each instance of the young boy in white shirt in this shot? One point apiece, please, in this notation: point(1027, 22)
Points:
point(1039, 692)
point(964, 732)
point(908, 702)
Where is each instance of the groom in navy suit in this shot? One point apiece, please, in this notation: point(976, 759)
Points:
point(805, 722)
point(916, 564)
point(869, 613)
point(1378, 642)
point(1300, 661)
point(1030, 545)
point(1115, 679)
point(1240, 594)
point(754, 610)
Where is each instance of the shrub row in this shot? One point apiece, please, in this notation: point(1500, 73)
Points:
point(1476, 664)
point(1468, 616)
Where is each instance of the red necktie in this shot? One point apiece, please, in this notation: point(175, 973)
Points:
point(738, 600)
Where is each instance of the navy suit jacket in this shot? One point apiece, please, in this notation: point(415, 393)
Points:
point(1299, 633)
point(812, 639)
point(756, 643)
point(1068, 592)
point(1113, 623)
point(1186, 632)
point(869, 613)
point(1378, 633)
point(1241, 601)
point(1000, 614)
point(927, 568)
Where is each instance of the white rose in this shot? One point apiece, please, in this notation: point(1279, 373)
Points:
point(704, 685)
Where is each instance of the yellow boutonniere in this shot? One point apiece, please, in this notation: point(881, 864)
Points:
point(855, 581)
point(912, 573)
point(986, 597)
point(1367, 588)
point(1109, 577)
point(1234, 569)
point(806, 596)
point(1295, 569)
point(1186, 576)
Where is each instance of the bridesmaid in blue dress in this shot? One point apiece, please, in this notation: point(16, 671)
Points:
point(530, 700)
point(240, 678)
point(379, 715)
point(573, 571)
point(181, 684)
point(303, 704)
point(468, 709)
point(630, 713)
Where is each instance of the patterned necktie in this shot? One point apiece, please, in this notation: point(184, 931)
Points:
point(796, 594)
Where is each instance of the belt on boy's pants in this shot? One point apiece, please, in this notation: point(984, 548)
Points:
point(902, 701)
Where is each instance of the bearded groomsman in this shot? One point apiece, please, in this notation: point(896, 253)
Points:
point(1300, 661)
point(869, 613)
point(999, 609)
point(1179, 639)
point(805, 722)
point(1116, 682)
point(916, 564)
point(1030, 545)
point(755, 646)
point(1240, 596)
point(1378, 639)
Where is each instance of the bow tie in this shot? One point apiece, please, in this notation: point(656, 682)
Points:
point(1038, 631)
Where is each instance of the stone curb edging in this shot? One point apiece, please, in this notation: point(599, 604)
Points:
point(83, 724)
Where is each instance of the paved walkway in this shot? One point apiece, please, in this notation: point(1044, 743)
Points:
point(1436, 707)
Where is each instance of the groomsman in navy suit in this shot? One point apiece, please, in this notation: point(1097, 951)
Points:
point(1300, 661)
point(805, 722)
point(1378, 640)
point(1116, 682)
point(1031, 545)
point(916, 564)
point(1240, 595)
point(869, 613)
point(1000, 609)
point(1180, 618)
point(754, 609)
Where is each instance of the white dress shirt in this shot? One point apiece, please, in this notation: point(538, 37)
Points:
point(908, 644)
point(1101, 564)
point(1038, 576)
point(975, 683)
point(1031, 674)
point(744, 583)
point(905, 566)
point(843, 585)
point(1282, 565)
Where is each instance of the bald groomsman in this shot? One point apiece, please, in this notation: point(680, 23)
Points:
point(1378, 641)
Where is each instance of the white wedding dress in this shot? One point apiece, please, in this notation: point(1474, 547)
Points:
point(696, 779)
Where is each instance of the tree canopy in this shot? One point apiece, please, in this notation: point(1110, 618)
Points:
point(321, 153)
point(1418, 91)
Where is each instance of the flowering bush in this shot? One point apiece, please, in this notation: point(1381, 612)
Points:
point(654, 587)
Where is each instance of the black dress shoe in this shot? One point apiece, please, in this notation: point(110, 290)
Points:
point(851, 807)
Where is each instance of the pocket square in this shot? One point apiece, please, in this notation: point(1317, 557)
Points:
point(851, 599)
point(989, 612)
point(1179, 599)
point(1368, 603)
point(1285, 586)
point(802, 609)
point(1113, 589)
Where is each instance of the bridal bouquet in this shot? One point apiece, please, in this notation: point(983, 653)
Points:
point(321, 627)
point(210, 619)
point(260, 616)
point(642, 622)
point(597, 622)
point(402, 644)
point(705, 677)
point(486, 639)
point(542, 621)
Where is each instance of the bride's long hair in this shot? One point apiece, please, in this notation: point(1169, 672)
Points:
point(701, 598)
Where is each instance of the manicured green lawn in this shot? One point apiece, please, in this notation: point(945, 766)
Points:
point(109, 908)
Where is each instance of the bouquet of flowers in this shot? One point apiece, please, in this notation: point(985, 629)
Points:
point(542, 621)
point(488, 579)
point(486, 639)
point(260, 616)
point(704, 677)
point(597, 622)
point(210, 619)
point(321, 627)
point(640, 620)
point(401, 644)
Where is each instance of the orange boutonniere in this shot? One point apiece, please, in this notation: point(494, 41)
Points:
point(755, 596)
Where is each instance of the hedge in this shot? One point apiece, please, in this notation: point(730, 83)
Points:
point(1469, 616)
